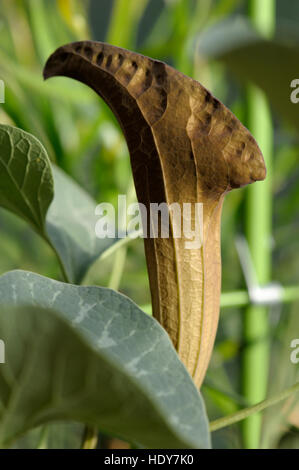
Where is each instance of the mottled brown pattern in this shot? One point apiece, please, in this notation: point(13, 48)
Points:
point(185, 146)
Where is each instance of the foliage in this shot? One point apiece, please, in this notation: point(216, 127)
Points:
point(85, 143)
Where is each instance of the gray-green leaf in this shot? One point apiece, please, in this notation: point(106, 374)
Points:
point(99, 359)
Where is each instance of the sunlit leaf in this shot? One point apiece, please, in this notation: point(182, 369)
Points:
point(26, 183)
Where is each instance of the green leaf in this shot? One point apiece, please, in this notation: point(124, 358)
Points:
point(124, 18)
point(70, 226)
point(271, 65)
point(90, 354)
point(65, 219)
point(26, 183)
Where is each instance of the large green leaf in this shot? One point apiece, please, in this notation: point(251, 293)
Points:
point(270, 64)
point(70, 226)
point(26, 188)
point(26, 183)
point(98, 359)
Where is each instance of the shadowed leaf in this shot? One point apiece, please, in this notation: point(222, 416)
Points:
point(93, 357)
point(271, 65)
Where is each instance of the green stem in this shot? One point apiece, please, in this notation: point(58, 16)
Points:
point(256, 355)
point(240, 415)
point(241, 298)
point(63, 271)
point(43, 440)
point(118, 268)
point(121, 254)
point(116, 246)
point(90, 439)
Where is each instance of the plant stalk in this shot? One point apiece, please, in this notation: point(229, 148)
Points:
point(256, 355)
point(246, 412)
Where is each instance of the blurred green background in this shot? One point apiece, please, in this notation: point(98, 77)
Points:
point(215, 42)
